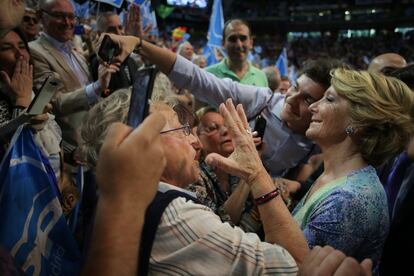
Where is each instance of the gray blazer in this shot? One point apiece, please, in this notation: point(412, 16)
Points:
point(70, 103)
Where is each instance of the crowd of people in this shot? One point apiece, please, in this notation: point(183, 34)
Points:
point(325, 189)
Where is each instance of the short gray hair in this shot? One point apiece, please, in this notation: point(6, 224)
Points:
point(108, 111)
point(102, 21)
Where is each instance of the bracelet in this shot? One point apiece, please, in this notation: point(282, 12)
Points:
point(267, 197)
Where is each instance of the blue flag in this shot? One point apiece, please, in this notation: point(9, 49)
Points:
point(282, 63)
point(293, 74)
point(215, 33)
point(115, 3)
point(81, 10)
point(32, 226)
point(148, 17)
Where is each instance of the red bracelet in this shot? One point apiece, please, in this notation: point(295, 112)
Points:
point(267, 197)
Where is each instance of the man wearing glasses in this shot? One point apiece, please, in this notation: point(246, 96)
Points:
point(53, 52)
point(30, 24)
point(237, 42)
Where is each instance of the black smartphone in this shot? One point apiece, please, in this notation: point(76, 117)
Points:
point(108, 49)
point(141, 94)
point(260, 127)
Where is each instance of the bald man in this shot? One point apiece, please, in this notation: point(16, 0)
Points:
point(273, 77)
point(386, 62)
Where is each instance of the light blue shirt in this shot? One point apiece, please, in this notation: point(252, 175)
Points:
point(66, 48)
point(284, 149)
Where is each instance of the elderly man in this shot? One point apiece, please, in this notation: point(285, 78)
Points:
point(30, 24)
point(284, 85)
point(186, 50)
point(53, 52)
point(184, 237)
point(11, 13)
point(273, 77)
point(237, 42)
point(386, 62)
point(110, 22)
point(288, 116)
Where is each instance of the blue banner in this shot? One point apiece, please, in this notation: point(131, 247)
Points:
point(81, 10)
point(215, 29)
point(32, 226)
point(282, 63)
point(215, 33)
point(148, 17)
point(293, 74)
point(115, 3)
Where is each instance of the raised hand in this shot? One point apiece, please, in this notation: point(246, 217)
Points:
point(244, 161)
point(131, 161)
point(105, 72)
point(126, 45)
point(21, 83)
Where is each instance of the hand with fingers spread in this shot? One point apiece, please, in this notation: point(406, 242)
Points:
point(20, 84)
point(244, 162)
point(325, 261)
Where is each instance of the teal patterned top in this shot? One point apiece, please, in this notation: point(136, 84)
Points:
point(349, 214)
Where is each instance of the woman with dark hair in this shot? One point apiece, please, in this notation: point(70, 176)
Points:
point(16, 94)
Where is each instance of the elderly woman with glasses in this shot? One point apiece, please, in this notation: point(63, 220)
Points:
point(226, 195)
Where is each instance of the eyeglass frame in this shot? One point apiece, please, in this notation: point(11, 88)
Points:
point(61, 15)
point(27, 18)
point(186, 128)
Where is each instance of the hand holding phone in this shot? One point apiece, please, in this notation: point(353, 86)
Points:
point(141, 93)
point(108, 49)
point(260, 127)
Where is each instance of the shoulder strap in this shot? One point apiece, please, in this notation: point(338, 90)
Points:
point(152, 220)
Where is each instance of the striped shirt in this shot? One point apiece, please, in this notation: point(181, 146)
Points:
point(192, 240)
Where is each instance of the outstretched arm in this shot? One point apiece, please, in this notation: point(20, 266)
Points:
point(203, 85)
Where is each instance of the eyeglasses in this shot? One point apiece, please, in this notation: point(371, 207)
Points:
point(27, 19)
point(211, 129)
point(233, 38)
point(61, 16)
point(186, 129)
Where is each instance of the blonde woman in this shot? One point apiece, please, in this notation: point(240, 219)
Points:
point(362, 120)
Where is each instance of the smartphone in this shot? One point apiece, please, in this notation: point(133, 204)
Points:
point(141, 94)
point(108, 49)
point(260, 127)
point(44, 96)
